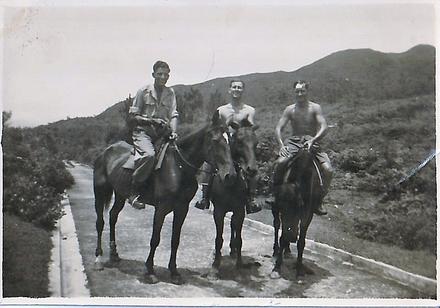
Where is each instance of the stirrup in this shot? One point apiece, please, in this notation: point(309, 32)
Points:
point(253, 207)
point(135, 203)
point(319, 211)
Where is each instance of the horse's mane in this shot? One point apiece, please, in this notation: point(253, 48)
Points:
point(191, 136)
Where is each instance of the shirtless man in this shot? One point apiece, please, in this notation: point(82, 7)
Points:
point(307, 121)
point(235, 111)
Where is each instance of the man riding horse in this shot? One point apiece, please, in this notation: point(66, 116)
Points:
point(234, 113)
point(308, 126)
point(153, 116)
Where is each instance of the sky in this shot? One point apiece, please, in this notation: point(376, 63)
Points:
point(70, 60)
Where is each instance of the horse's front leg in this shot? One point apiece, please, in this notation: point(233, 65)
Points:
point(276, 227)
point(159, 216)
point(279, 257)
point(99, 208)
point(118, 205)
point(301, 269)
point(219, 217)
point(233, 250)
point(180, 213)
point(237, 221)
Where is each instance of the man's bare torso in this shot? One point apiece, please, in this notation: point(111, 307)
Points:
point(303, 119)
point(229, 112)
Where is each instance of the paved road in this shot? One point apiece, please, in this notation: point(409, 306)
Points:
point(330, 279)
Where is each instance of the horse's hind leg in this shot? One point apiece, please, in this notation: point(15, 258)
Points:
point(118, 205)
point(102, 196)
point(179, 217)
point(159, 217)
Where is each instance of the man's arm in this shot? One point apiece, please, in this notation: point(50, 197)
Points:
point(321, 122)
point(174, 114)
point(281, 124)
point(134, 112)
point(251, 116)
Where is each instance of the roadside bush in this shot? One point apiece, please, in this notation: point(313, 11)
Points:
point(33, 202)
point(409, 223)
point(33, 179)
point(354, 161)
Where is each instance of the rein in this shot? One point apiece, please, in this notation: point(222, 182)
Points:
point(184, 159)
point(188, 163)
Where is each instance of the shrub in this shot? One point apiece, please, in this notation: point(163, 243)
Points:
point(32, 201)
point(409, 223)
point(33, 179)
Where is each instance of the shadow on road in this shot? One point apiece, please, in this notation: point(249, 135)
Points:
point(230, 281)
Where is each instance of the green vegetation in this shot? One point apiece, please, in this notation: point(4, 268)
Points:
point(26, 255)
point(34, 177)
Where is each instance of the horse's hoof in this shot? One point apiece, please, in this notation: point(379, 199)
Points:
point(99, 266)
point(177, 279)
point(288, 255)
point(216, 264)
point(275, 275)
point(213, 275)
point(233, 254)
point(151, 279)
point(115, 258)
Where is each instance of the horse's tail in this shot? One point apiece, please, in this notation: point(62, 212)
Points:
point(101, 186)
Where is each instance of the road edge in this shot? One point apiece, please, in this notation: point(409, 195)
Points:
point(415, 281)
point(67, 276)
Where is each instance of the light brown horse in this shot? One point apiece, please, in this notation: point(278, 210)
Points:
point(299, 192)
point(232, 195)
point(169, 189)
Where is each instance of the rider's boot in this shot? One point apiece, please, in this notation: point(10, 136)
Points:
point(204, 203)
point(134, 197)
point(319, 210)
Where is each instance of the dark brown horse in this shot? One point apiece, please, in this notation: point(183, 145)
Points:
point(232, 195)
point(169, 189)
point(296, 196)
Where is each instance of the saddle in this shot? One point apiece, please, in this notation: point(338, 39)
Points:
point(129, 164)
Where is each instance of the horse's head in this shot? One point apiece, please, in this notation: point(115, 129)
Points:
point(289, 203)
point(217, 149)
point(244, 143)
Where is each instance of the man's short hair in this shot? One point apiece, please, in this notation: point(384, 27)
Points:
point(160, 64)
point(237, 80)
point(301, 82)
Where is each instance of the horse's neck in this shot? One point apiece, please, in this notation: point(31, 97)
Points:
point(192, 147)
